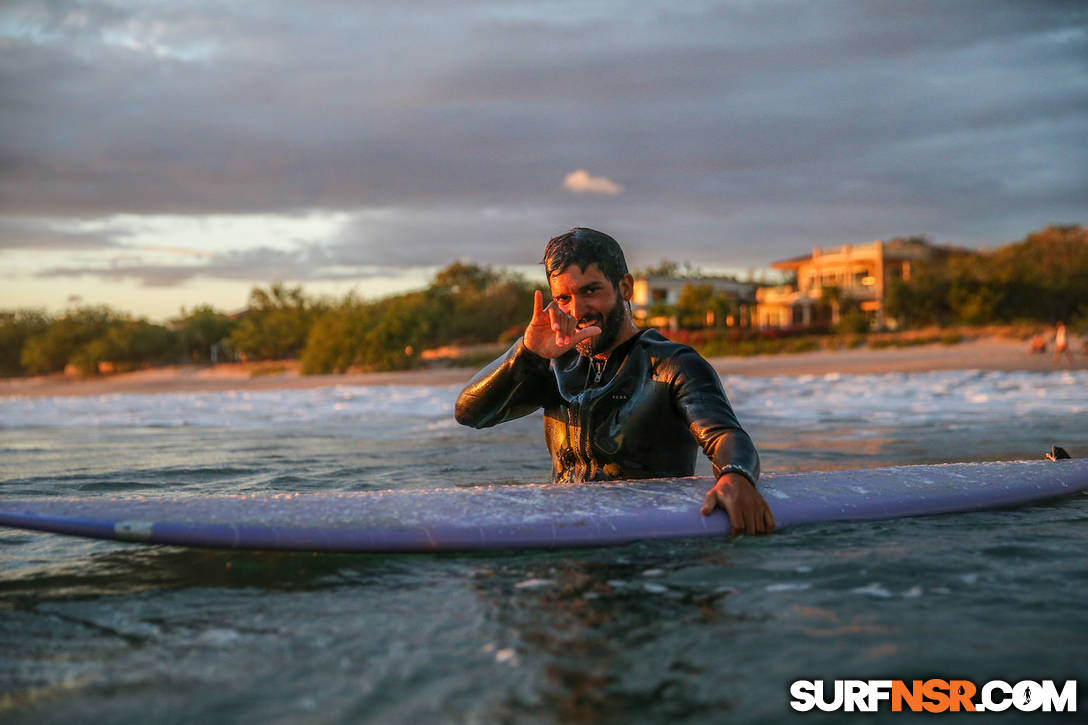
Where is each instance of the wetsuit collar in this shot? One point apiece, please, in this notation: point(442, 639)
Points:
point(614, 359)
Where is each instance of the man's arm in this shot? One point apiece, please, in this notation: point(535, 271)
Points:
point(699, 395)
point(508, 388)
point(512, 386)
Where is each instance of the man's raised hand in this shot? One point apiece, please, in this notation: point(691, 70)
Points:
point(553, 332)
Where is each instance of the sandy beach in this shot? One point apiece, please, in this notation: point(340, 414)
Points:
point(982, 354)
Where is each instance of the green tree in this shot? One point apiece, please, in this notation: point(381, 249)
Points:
point(127, 344)
point(852, 320)
point(1044, 278)
point(834, 304)
point(386, 334)
point(53, 348)
point(831, 301)
point(465, 303)
point(395, 340)
point(469, 303)
point(696, 303)
point(276, 324)
point(671, 269)
point(16, 327)
point(338, 338)
point(201, 330)
point(664, 268)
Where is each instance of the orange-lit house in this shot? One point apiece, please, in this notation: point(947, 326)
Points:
point(829, 277)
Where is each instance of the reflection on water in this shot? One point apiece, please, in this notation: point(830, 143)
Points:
point(586, 621)
point(129, 569)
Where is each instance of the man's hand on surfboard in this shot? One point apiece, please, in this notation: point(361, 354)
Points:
point(553, 332)
point(748, 512)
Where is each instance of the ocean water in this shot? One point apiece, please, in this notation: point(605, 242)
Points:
point(668, 631)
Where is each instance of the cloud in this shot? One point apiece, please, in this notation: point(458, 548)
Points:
point(164, 251)
point(755, 129)
point(178, 252)
point(255, 265)
point(580, 182)
point(28, 233)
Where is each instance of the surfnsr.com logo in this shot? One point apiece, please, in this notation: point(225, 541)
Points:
point(933, 695)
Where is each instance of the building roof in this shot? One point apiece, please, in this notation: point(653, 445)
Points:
point(904, 249)
point(792, 262)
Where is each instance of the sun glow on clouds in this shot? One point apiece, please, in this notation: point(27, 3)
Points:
point(152, 265)
point(214, 233)
point(177, 252)
point(580, 182)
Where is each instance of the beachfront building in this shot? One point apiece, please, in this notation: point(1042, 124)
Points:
point(829, 279)
point(655, 299)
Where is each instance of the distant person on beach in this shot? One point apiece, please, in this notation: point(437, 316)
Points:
point(1038, 344)
point(1061, 343)
point(619, 402)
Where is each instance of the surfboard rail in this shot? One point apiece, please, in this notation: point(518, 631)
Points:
point(537, 516)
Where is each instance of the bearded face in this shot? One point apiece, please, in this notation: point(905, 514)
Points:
point(593, 301)
point(610, 324)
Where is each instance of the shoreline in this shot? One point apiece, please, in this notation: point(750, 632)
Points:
point(991, 353)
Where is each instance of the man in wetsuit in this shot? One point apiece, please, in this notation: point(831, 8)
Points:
point(619, 402)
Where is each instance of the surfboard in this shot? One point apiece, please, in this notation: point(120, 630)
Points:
point(533, 516)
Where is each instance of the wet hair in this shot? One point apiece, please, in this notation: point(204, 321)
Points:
point(583, 247)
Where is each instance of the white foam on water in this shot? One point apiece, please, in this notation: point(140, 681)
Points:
point(366, 405)
point(788, 587)
point(874, 589)
point(951, 397)
point(534, 584)
point(507, 657)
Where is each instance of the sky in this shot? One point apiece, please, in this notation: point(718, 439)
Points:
point(156, 156)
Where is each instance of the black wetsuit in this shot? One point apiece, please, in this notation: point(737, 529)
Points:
point(639, 415)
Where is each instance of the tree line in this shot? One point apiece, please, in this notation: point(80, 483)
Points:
point(1043, 278)
point(464, 303)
